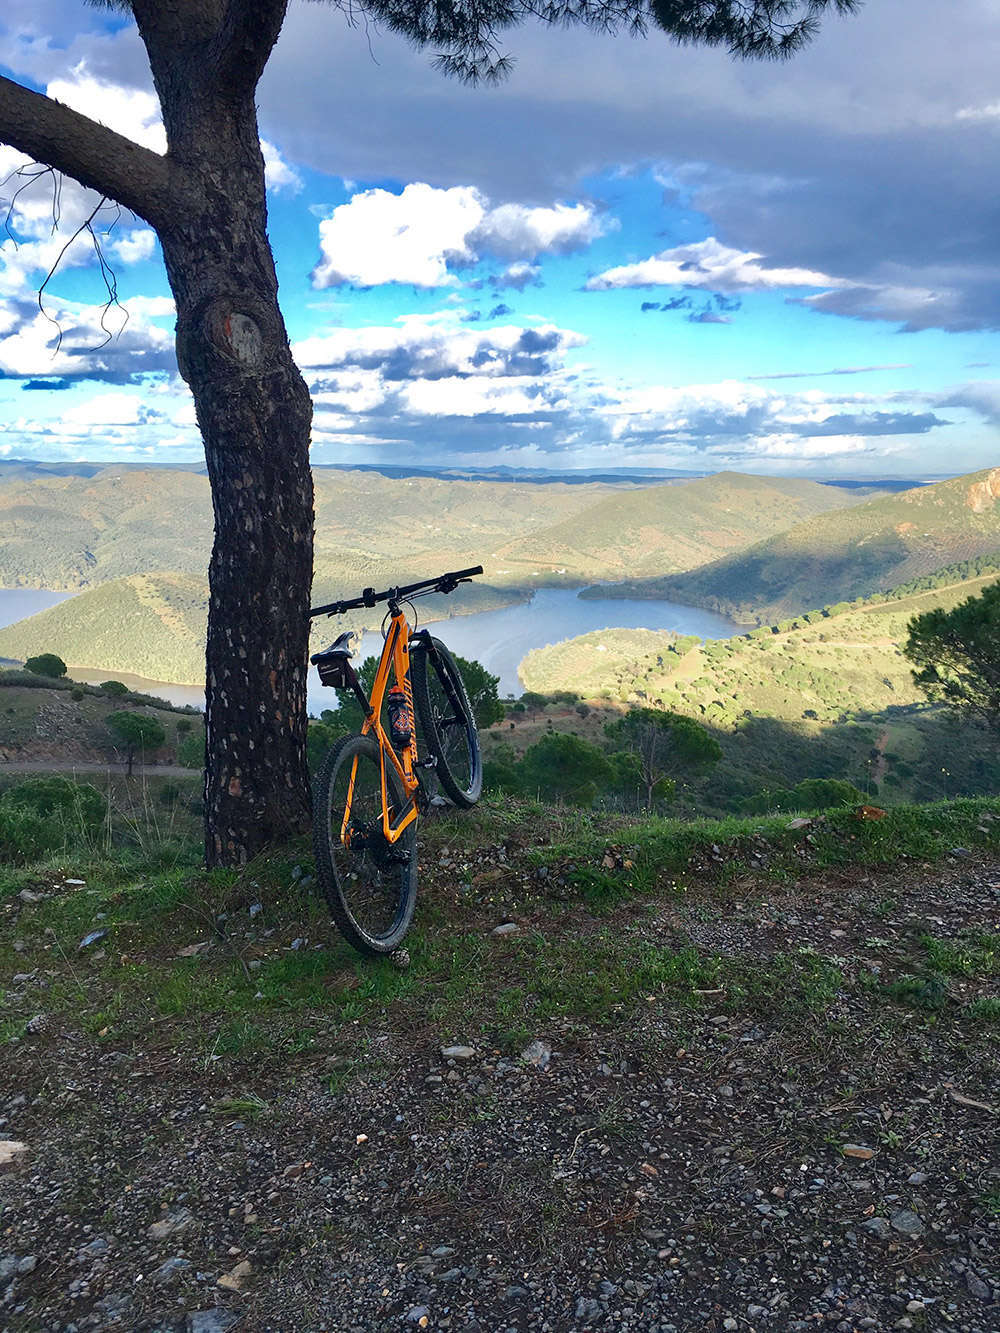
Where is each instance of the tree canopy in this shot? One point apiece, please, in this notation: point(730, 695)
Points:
point(666, 745)
point(957, 656)
point(46, 664)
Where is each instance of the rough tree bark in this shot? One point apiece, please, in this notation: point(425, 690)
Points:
point(206, 200)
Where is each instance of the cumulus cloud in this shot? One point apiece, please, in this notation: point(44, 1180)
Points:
point(707, 264)
point(419, 236)
point(71, 343)
point(133, 112)
point(279, 175)
point(517, 277)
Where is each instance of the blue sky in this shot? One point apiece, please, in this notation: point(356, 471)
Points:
point(628, 255)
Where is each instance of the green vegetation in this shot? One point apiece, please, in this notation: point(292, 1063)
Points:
point(663, 745)
point(46, 664)
point(138, 732)
point(222, 983)
point(849, 553)
point(825, 695)
point(957, 654)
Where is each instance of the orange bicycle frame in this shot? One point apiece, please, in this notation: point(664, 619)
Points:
point(395, 657)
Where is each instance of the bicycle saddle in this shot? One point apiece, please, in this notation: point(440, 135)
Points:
point(341, 647)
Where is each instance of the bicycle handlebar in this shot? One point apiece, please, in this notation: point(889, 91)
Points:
point(444, 583)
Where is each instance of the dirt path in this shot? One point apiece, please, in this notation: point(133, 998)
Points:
point(92, 766)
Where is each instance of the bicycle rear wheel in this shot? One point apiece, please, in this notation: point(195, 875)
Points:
point(369, 883)
point(447, 721)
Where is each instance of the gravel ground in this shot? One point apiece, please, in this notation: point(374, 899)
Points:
point(734, 1166)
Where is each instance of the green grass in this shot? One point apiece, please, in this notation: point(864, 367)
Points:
point(248, 996)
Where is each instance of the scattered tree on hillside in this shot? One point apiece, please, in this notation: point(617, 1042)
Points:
point(46, 664)
point(666, 745)
point(205, 198)
point(138, 732)
point(564, 767)
point(113, 687)
point(957, 656)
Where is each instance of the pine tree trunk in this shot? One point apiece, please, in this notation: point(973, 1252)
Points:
point(255, 413)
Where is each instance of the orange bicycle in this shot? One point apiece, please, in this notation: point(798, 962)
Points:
point(372, 787)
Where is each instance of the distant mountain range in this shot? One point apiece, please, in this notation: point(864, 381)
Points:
point(844, 554)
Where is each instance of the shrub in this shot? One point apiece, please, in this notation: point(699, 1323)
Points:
point(191, 750)
point(76, 695)
point(183, 726)
point(113, 687)
point(26, 836)
point(74, 804)
point(46, 664)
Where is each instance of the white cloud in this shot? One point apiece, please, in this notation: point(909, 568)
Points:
point(32, 348)
point(711, 265)
point(133, 246)
point(278, 174)
point(381, 237)
point(130, 111)
point(514, 231)
point(991, 111)
point(418, 237)
point(518, 276)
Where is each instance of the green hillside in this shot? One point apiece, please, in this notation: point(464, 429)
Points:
point(660, 529)
point(69, 533)
point(73, 532)
point(845, 554)
point(150, 625)
point(829, 695)
point(153, 625)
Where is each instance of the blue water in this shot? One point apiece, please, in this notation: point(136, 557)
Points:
point(498, 639)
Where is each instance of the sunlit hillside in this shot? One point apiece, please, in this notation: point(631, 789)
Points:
point(845, 554)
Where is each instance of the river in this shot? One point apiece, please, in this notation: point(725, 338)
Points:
point(498, 639)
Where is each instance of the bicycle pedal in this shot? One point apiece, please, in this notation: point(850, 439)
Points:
point(429, 762)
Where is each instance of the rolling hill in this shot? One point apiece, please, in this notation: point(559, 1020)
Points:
point(845, 554)
point(660, 529)
point(75, 532)
point(828, 695)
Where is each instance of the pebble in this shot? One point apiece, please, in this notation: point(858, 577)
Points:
point(908, 1223)
point(977, 1287)
point(171, 1224)
point(917, 1178)
point(878, 1226)
point(506, 928)
point(458, 1052)
point(90, 939)
point(10, 1150)
point(211, 1321)
point(170, 1270)
point(859, 1151)
point(27, 1265)
point(537, 1053)
point(417, 1313)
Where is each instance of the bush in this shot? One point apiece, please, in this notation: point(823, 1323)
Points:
point(76, 695)
point(183, 726)
point(46, 664)
point(26, 836)
point(191, 750)
point(68, 806)
point(113, 687)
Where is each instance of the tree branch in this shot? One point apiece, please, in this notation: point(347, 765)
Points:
point(97, 157)
point(246, 38)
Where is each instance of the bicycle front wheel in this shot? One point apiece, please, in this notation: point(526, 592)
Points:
point(446, 719)
point(369, 883)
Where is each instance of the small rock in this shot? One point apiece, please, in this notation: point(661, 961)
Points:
point(26, 896)
point(859, 1151)
point(255, 909)
point(8, 1269)
point(169, 1271)
point(36, 1024)
point(235, 1279)
point(799, 823)
point(908, 1223)
point(458, 1052)
point(299, 943)
point(914, 1307)
point(977, 1287)
point(878, 1226)
point(418, 1314)
point(170, 1225)
point(917, 1178)
point(587, 1308)
point(90, 939)
point(506, 928)
point(26, 1265)
point(74, 883)
point(97, 1247)
point(211, 1321)
point(10, 1150)
point(537, 1053)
